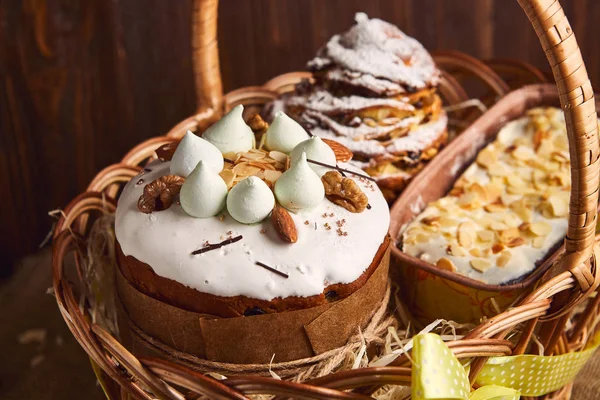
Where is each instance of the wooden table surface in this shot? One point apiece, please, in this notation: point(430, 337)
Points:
point(57, 368)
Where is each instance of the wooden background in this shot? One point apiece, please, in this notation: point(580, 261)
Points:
point(82, 81)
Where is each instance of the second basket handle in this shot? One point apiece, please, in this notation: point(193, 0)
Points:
point(205, 50)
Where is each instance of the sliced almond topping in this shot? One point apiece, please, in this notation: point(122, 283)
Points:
point(228, 176)
point(495, 207)
point(480, 191)
point(498, 226)
point(431, 221)
point(253, 155)
point(497, 170)
point(466, 234)
point(507, 235)
point(422, 238)
point(475, 252)
point(486, 236)
point(503, 259)
point(446, 222)
point(278, 156)
point(512, 220)
point(497, 248)
point(480, 264)
point(541, 228)
point(469, 200)
point(515, 180)
point(538, 242)
point(444, 263)
point(559, 205)
point(455, 250)
point(516, 242)
point(245, 169)
point(522, 153)
point(272, 176)
point(524, 227)
point(487, 157)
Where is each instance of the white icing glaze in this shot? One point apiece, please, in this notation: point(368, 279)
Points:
point(190, 151)
point(380, 49)
point(316, 150)
point(203, 193)
point(250, 201)
point(284, 134)
point(321, 257)
point(524, 257)
point(381, 87)
point(231, 134)
point(299, 188)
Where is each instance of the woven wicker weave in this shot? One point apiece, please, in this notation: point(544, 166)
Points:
point(573, 279)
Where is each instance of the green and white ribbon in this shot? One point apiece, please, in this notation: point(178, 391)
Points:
point(438, 375)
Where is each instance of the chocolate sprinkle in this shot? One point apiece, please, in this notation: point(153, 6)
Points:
point(228, 160)
point(368, 206)
point(253, 311)
point(265, 266)
point(209, 247)
point(147, 170)
point(140, 182)
point(341, 170)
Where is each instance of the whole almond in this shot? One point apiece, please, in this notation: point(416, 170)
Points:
point(284, 224)
point(342, 153)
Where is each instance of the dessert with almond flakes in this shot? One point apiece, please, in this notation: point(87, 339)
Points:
point(375, 92)
point(250, 218)
point(507, 211)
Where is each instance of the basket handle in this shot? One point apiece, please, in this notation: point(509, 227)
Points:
point(576, 98)
point(205, 52)
point(577, 101)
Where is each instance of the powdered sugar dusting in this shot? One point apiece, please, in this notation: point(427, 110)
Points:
point(324, 102)
point(380, 49)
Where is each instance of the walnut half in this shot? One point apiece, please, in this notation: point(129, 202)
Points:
point(344, 192)
point(160, 193)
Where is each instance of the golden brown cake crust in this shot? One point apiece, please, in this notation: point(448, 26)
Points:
point(141, 276)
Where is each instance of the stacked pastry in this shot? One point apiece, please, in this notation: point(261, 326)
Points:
point(375, 92)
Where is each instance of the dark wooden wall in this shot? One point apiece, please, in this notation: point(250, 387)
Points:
point(82, 81)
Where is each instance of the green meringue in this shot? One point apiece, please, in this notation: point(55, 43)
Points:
point(231, 134)
point(299, 188)
point(284, 134)
point(191, 150)
point(203, 193)
point(317, 150)
point(250, 201)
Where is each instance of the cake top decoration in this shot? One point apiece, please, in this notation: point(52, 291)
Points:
point(231, 134)
point(284, 134)
point(379, 49)
point(203, 193)
point(299, 188)
point(250, 201)
point(317, 150)
point(190, 151)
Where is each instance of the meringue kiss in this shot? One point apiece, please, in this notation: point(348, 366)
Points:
point(250, 201)
point(231, 134)
point(284, 134)
point(299, 188)
point(203, 193)
point(317, 150)
point(190, 151)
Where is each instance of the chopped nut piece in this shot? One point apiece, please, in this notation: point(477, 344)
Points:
point(480, 264)
point(431, 221)
point(509, 234)
point(444, 263)
point(160, 193)
point(455, 250)
point(344, 192)
point(559, 205)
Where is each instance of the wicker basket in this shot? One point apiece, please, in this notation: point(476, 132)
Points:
point(571, 280)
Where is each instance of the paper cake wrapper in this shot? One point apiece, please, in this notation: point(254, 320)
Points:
point(290, 335)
